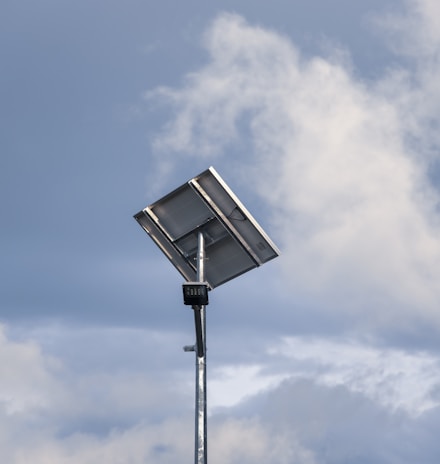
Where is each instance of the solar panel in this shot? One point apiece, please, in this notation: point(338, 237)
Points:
point(234, 241)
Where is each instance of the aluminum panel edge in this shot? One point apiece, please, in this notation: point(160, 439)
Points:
point(211, 170)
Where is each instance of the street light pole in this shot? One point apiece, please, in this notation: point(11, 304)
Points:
point(201, 441)
point(205, 208)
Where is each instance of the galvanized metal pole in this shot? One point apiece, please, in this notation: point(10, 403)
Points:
point(201, 452)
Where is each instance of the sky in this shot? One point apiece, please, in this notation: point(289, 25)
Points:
point(322, 116)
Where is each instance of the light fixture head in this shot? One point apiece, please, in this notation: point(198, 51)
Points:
point(195, 293)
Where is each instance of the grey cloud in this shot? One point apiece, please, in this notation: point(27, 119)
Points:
point(336, 425)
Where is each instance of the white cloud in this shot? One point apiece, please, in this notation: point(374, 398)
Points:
point(233, 441)
point(342, 426)
point(414, 89)
point(354, 212)
point(299, 404)
point(414, 31)
point(231, 384)
point(243, 441)
point(393, 378)
point(52, 426)
point(28, 378)
point(164, 443)
point(56, 411)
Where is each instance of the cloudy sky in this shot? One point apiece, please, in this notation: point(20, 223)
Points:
point(323, 118)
